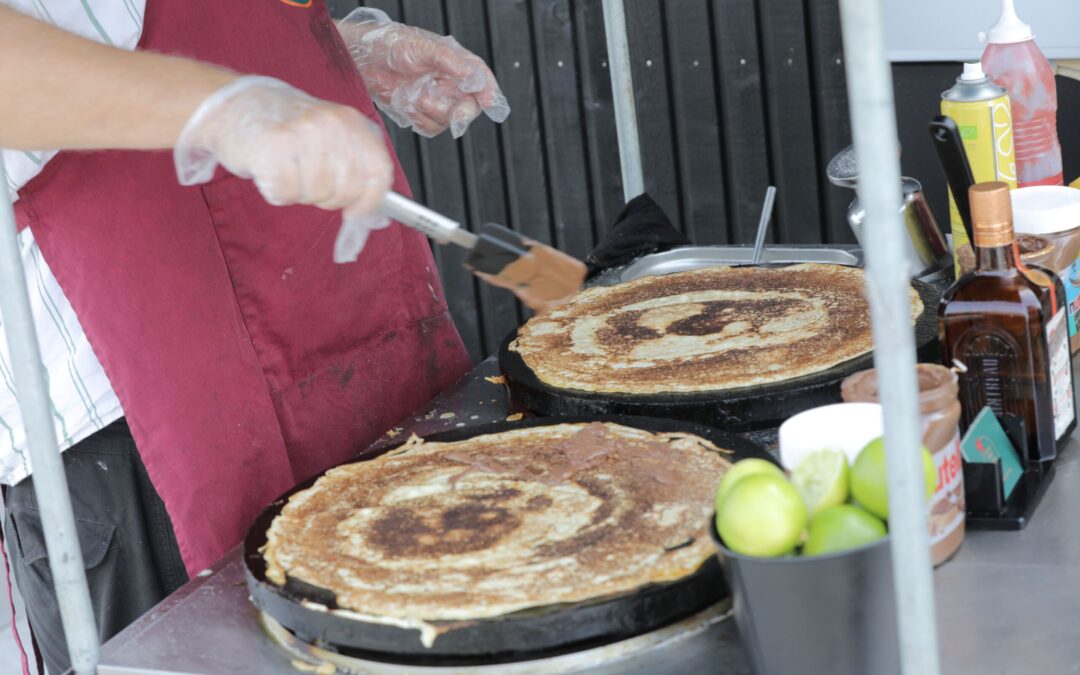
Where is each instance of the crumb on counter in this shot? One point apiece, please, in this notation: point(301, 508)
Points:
point(447, 416)
point(394, 433)
point(514, 417)
point(496, 379)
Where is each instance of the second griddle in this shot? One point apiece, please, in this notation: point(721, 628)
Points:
point(743, 409)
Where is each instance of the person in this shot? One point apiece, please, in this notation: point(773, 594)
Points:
point(203, 351)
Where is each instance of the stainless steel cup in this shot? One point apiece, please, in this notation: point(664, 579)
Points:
point(833, 614)
point(926, 250)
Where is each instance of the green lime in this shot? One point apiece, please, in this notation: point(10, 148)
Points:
point(868, 484)
point(842, 527)
point(763, 515)
point(740, 470)
point(822, 479)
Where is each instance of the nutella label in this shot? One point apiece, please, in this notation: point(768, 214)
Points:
point(947, 505)
point(1061, 386)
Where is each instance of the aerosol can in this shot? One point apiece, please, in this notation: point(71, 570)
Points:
point(982, 111)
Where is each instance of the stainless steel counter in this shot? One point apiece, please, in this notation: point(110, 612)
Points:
point(1008, 602)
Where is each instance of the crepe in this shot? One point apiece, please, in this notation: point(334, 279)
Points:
point(500, 523)
point(711, 329)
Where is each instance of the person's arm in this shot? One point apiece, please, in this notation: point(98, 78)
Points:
point(63, 91)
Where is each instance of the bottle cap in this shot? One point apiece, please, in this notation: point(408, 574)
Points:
point(1009, 28)
point(991, 214)
point(972, 72)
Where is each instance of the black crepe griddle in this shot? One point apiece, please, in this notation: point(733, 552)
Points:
point(519, 636)
point(745, 409)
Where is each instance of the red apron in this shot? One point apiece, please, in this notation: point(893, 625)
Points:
point(244, 358)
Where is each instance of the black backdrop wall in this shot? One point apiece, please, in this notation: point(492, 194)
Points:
point(732, 96)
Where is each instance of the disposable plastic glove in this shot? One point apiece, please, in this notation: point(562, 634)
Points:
point(296, 148)
point(419, 79)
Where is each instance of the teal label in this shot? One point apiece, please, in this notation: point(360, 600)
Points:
point(985, 441)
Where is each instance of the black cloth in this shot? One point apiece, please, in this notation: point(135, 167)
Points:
point(127, 541)
point(641, 228)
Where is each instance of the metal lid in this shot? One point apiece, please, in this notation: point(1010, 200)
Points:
point(843, 170)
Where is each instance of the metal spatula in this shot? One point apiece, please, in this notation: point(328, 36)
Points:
point(539, 275)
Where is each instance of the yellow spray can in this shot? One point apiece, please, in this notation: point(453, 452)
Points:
point(981, 110)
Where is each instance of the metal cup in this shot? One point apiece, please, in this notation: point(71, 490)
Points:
point(926, 250)
point(833, 614)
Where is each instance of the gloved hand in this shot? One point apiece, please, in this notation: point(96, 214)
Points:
point(296, 148)
point(419, 79)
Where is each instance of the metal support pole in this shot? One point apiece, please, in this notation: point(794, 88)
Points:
point(873, 122)
point(50, 483)
point(622, 93)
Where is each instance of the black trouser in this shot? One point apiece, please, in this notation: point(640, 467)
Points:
point(127, 541)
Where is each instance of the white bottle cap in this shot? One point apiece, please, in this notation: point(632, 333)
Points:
point(972, 72)
point(1009, 28)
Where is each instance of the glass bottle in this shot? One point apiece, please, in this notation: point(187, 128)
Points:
point(993, 322)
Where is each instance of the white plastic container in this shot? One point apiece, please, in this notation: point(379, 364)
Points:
point(842, 426)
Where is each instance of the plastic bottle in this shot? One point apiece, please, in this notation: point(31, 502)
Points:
point(1013, 61)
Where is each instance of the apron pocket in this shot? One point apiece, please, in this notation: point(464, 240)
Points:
point(302, 311)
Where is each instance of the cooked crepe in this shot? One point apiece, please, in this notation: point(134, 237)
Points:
point(711, 329)
point(503, 522)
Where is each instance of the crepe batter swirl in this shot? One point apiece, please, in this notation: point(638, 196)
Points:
point(705, 330)
point(503, 522)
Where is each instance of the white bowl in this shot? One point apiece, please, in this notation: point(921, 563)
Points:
point(841, 426)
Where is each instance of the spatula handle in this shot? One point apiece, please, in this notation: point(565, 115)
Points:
point(954, 164)
point(422, 219)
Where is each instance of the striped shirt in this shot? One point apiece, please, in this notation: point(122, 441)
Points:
point(82, 399)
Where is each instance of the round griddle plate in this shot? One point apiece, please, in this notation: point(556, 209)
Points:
point(739, 410)
point(528, 634)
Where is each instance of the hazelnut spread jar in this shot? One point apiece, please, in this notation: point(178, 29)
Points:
point(939, 409)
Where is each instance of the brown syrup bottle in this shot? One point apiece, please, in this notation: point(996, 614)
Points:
point(993, 320)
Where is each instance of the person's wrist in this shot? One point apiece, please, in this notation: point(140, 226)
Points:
point(361, 22)
point(367, 16)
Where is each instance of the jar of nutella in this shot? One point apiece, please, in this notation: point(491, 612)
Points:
point(939, 408)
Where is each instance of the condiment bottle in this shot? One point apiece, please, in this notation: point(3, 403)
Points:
point(939, 409)
point(993, 322)
point(1014, 61)
point(983, 114)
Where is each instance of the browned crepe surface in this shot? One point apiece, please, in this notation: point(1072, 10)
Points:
point(705, 330)
point(504, 522)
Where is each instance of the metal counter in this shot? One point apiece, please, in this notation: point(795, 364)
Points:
point(1008, 602)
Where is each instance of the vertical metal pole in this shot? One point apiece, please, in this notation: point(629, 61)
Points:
point(50, 483)
point(873, 121)
point(622, 93)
